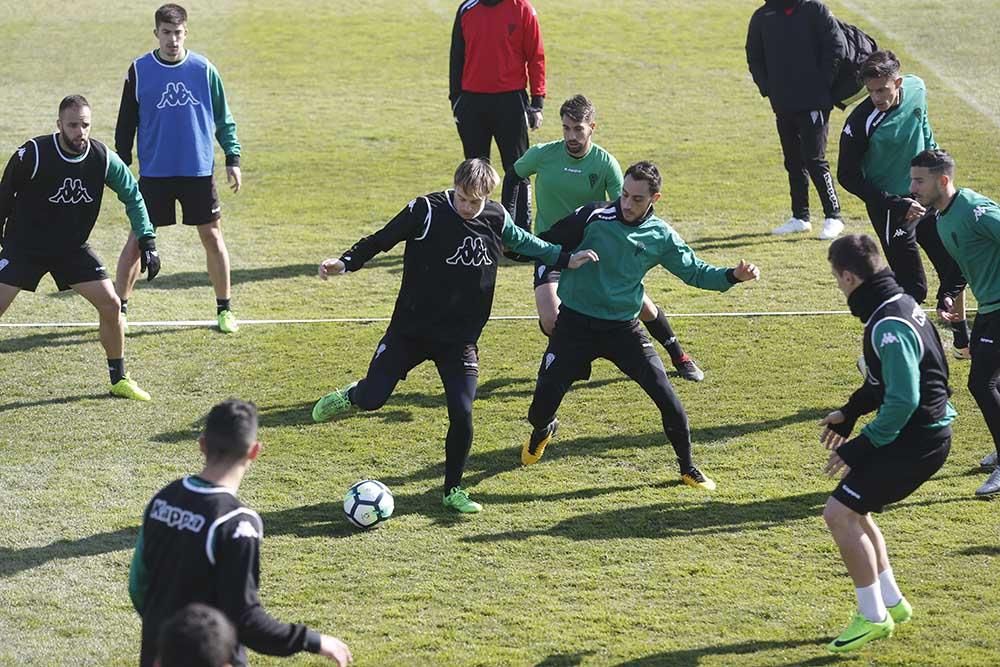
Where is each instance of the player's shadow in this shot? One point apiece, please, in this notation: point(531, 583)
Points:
point(57, 400)
point(76, 336)
point(692, 657)
point(391, 264)
point(13, 561)
point(168, 280)
point(729, 241)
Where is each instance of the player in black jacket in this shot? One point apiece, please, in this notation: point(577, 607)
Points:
point(794, 49)
point(199, 543)
point(454, 240)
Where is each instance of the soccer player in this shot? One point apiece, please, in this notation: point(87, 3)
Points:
point(453, 243)
point(496, 50)
point(196, 636)
point(906, 443)
point(969, 226)
point(569, 174)
point(173, 100)
point(880, 137)
point(794, 48)
point(199, 543)
point(600, 303)
point(50, 196)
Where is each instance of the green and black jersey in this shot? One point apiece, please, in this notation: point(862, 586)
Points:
point(611, 289)
point(563, 183)
point(50, 199)
point(970, 231)
point(876, 147)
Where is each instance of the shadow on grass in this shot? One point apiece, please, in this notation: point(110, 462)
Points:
point(730, 241)
point(692, 657)
point(13, 561)
point(68, 337)
point(984, 550)
point(565, 659)
point(188, 279)
point(57, 400)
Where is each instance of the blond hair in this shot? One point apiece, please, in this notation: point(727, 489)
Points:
point(477, 177)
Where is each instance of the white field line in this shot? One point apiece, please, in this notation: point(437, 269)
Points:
point(950, 81)
point(362, 320)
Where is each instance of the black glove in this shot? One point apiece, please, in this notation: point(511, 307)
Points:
point(149, 259)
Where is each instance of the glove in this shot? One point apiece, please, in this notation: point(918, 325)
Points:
point(149, 259)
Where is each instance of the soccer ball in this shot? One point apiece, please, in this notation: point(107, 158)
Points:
point(368, 503)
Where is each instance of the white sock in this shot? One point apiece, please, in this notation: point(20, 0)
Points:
point(870, 603)
point(891, 595)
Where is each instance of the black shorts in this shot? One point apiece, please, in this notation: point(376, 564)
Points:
point(578, 339)
point(197, 194)
point(894, 472)
point(25, 271)
point(545, 275)
point(397, 355)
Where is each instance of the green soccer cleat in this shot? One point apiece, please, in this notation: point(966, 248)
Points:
point(901, 612)
point(227, 322)
point(694, 477)
point(534, 447)
point(860, 632)
point(332, 404)
point(458, 500)
point(127, 388)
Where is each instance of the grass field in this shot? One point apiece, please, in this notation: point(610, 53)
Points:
point(596, 556)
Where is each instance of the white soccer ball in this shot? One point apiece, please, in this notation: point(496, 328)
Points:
point(368, 503)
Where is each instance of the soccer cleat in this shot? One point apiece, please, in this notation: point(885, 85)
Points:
point(860, 632)
point(832, 227)
point(332, 404)
point(694, 477)
point(227, 322)
point(127, 388)
point(961, 353)
point(901, 612)
point(991, 486)
point(458, 500)
point(989, 462)
point(688, 369)
point(793, 226)
point(535, 446)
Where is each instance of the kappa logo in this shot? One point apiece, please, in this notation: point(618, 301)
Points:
point(72, 191)
point(175, 517)
point(888, 338)
point(851, 492)
point(21, 151)
point(899, 232)
point(472, 252)
point(246, 529)
point(549, 358)
point(176, 95)
point(979, 212)
point(593, 180)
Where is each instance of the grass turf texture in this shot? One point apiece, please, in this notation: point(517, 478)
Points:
point(595, 556)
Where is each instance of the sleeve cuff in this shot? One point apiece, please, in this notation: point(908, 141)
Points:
point(562, 262)
point(731, 276)
point(844, 428)
point(147, 243)
point(854, 452)
point(231, 160)
point(312, 642)
point(125, 156)
point(537, 101)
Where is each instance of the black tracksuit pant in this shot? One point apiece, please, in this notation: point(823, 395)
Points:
point(803, 137)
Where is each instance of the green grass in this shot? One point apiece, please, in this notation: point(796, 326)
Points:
point(595, 556)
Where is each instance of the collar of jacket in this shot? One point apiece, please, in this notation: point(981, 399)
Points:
point(491, 3)
point(787, 5)
point(872, 293)
point(621, 218)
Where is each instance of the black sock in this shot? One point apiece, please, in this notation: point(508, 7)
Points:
point(116, 368)
point(124, 306)
point(660, 330)
point(960, 331)
point(221, 305)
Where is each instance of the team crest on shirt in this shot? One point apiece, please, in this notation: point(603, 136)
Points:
point(21, 151)
point(176, 95)
point(918, 315)
point(593, 179)
point(72, 191)
point(472, 252)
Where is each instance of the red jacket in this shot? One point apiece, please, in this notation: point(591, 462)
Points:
point(496, 46)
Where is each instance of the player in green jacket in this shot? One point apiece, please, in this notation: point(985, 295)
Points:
point(969, 226)
point(571, 173)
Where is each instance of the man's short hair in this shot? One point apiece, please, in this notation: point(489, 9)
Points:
point(857, 253)
point(230, 430)
point(197, 636)
point(579, 109)
point(170, 13)
point(936, 161)
point(477, 177)
point(880, 64)
point(646, 171)
point(73, 102)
